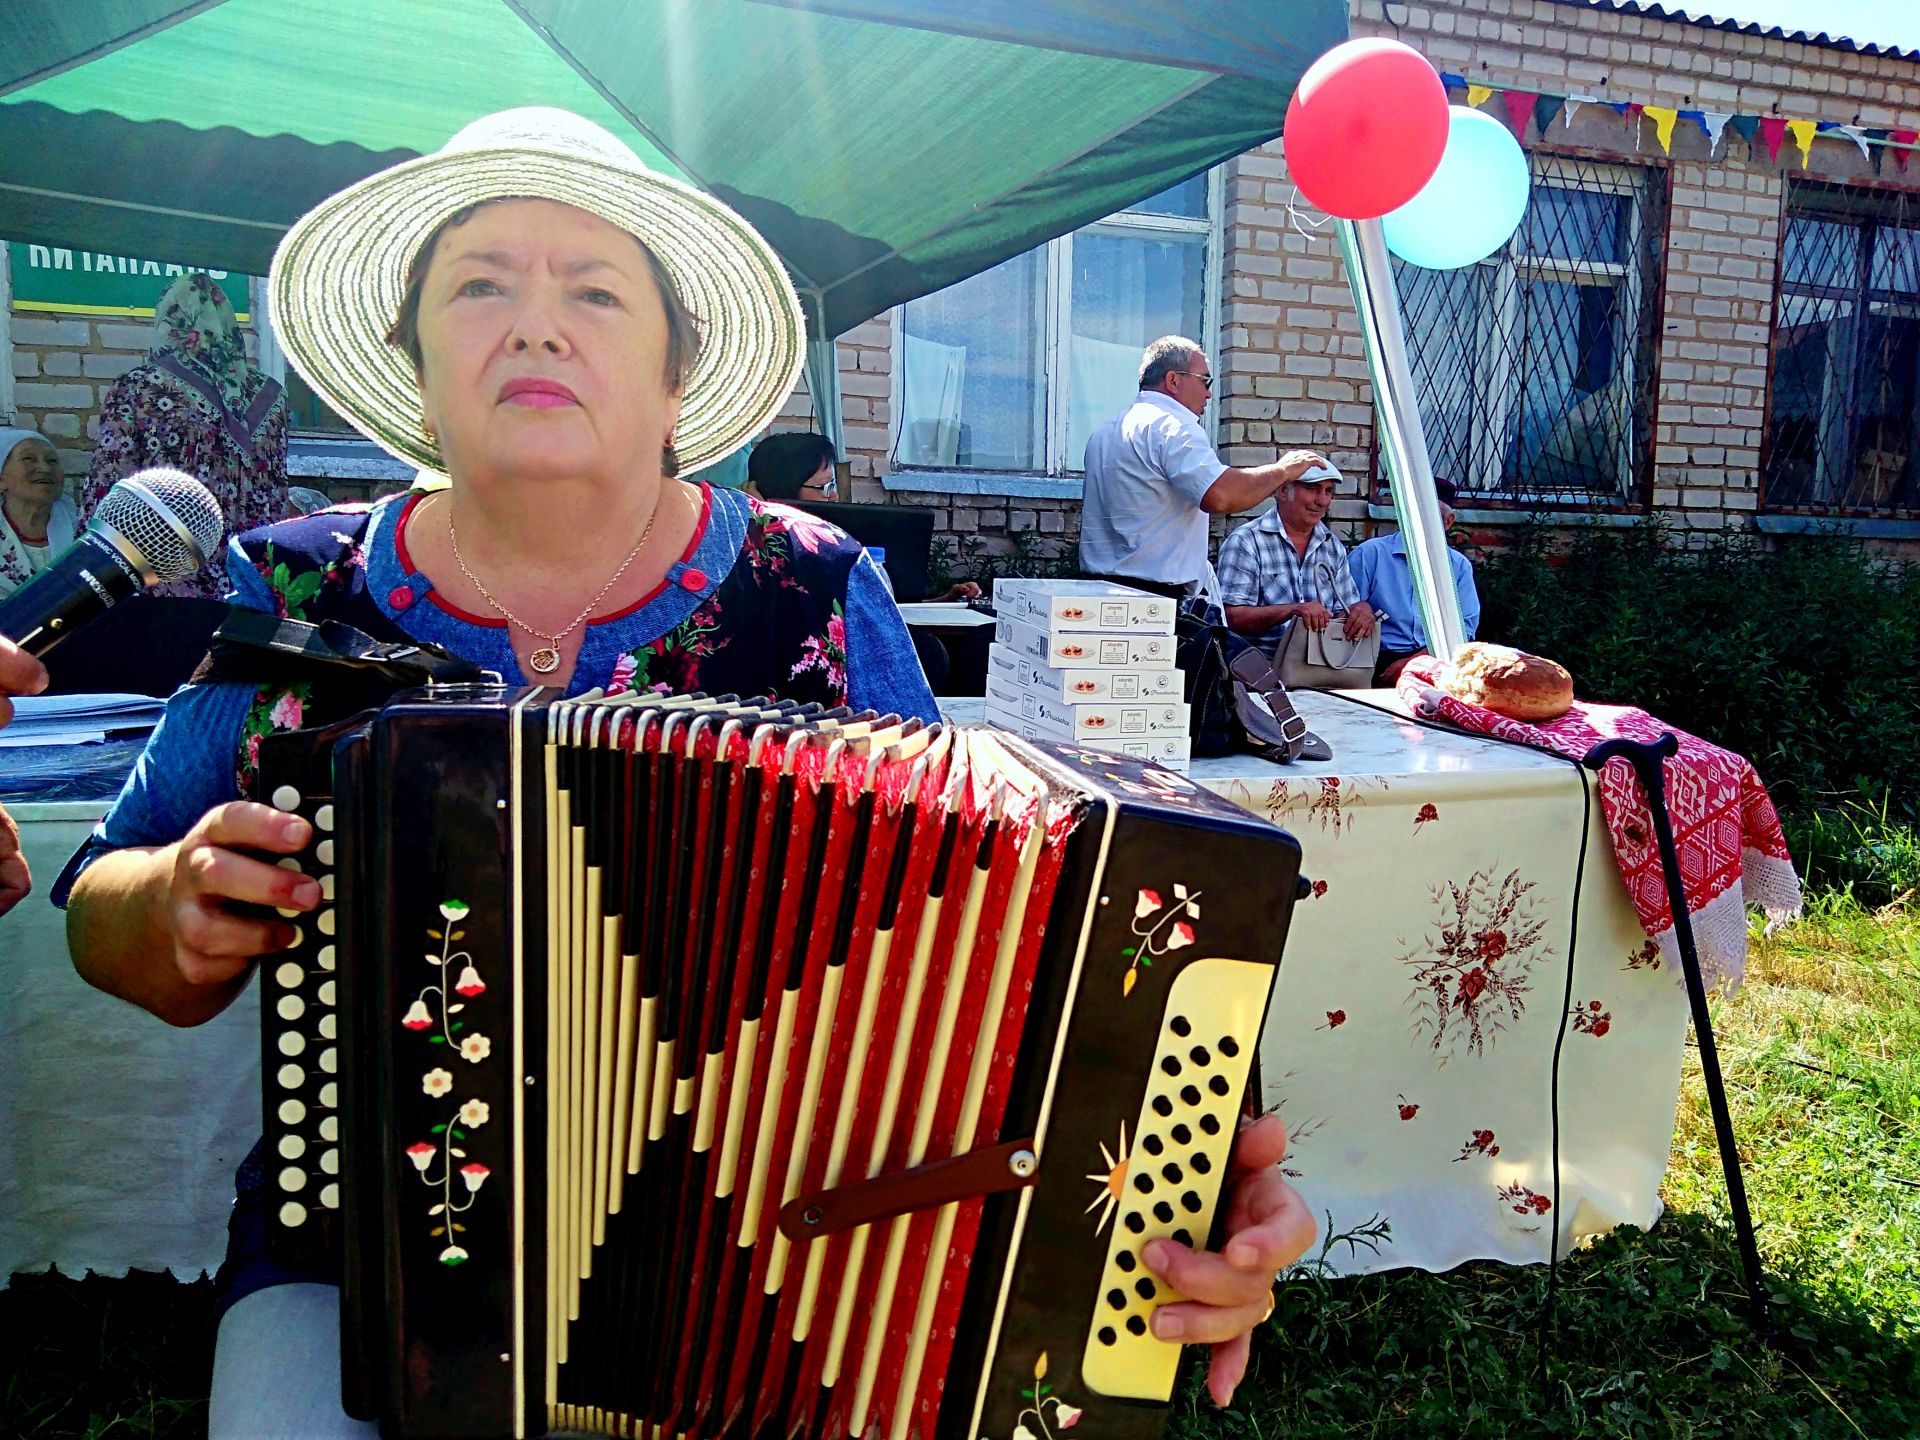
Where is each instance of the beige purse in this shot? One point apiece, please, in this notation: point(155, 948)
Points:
point(1326, 659)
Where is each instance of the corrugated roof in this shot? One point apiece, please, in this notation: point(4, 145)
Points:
point(1702, 15)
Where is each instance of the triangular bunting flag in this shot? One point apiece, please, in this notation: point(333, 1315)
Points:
point(1663, 117)
point(1903, 138)
point(1745, 126)
point(1546, 110)
point(1574, 102)
point(1519, 105)
point(1858, 136)
point(1877, 151)
point(1803, 132)
point(1477, 95)
point(1453, 81)
point(1620, 107)
point(1713, 122)
point(1773, 132)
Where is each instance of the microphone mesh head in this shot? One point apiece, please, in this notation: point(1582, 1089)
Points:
point(169, 517)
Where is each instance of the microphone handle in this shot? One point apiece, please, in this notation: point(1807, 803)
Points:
point(84, 581)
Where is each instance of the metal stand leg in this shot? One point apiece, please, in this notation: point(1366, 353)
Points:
point(1649, 763)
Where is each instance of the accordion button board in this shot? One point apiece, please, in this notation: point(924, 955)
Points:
point(1182, 1143)
point(691, 959)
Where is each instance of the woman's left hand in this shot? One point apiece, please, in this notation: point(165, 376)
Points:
point(1268, 1228)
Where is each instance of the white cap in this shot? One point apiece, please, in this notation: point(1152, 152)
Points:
point(1316, 475)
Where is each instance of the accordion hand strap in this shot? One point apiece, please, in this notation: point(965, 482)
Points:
point(1011, 1166)
point(256, 648)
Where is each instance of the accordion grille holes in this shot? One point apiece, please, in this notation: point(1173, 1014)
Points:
point(302, 1132)
point(1175, 1167)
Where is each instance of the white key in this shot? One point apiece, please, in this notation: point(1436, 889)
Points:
point(291, 1077)
point(292, 1112)
point(293, 1213)
point(330, 1128)
point(286, 798)
point(330, 1196)
point(292, 1042)
point(291, 1007)
point(323, 818)
point(292, 1147)
point(293, 1178)
point(289, 974)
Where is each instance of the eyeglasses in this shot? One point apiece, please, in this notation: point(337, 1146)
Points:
point(1206, 381)
point(825, 489)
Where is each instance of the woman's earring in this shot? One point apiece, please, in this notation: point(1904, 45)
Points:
point(426, 429)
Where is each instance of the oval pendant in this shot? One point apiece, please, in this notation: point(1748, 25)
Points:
point(545, 660)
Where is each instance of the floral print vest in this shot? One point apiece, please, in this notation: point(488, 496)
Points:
point(774, 625)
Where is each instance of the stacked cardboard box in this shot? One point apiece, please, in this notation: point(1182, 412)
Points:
point(1088, 662)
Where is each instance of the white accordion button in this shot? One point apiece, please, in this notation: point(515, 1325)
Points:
point(289, 974)
point(328, 1094)
point(326, 997)
point(293, 1178)
point(330, 1196)
point(323, 852)
point(292, 1077)
point(293, 1213)
point(330, 1128)
point(292, 1147)
point(291, 1007)
point(327, 1027)
point(330, 1161)
point(329, 1060)
point(325, 959)
point(286, 798)
point(323, 818)
point(326, 888)
point(292, 1042)
point(325, 922)
point(292, 1112)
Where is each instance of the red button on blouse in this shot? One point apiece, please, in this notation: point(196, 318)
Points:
point(691, 579)
point(400, 597)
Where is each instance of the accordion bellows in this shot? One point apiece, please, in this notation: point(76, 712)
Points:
point(686, 1067)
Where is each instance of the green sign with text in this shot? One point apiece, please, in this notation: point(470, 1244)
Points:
point(69, 281)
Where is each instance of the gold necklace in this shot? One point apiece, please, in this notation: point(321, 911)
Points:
point(546, 659)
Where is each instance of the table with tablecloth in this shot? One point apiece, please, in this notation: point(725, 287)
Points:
point(118, 1135)
point(1466, 938)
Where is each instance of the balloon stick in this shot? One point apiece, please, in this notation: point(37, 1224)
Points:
point(1403, 444)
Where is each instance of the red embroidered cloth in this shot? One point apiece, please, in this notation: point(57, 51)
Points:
point(1725, 829)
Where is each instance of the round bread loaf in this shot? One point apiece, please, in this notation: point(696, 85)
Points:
point(1508, 682)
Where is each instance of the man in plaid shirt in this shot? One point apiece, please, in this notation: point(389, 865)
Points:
point(1288, 565)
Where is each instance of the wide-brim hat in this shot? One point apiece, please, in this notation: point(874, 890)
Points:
point(341, 271)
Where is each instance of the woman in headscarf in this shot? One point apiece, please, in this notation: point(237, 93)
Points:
point(37, 521)
point(198, 404)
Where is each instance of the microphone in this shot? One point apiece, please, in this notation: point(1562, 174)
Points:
point(151, 528)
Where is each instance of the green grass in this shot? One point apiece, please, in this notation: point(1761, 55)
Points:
point(1822, 1056)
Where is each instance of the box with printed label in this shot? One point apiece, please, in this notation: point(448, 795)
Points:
point(1092, 721)
point(1085, 605)
point(1073, 650)
point(1079, 686)
point(1171, 751)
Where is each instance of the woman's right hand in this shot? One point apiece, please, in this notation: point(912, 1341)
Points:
point(214, 876)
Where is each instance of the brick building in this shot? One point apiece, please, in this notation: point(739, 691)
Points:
point(1693, 325)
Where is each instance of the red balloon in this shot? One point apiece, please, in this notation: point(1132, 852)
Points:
point(1366, 128)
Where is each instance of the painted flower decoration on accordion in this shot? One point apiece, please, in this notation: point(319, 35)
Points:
point(1046, 1412)
point(434, 1009)
point(1161, 926)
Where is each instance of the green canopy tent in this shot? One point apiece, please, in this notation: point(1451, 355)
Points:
point(887, 148)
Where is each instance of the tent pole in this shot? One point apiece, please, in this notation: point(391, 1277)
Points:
point(1403, 444)
point(823, 372)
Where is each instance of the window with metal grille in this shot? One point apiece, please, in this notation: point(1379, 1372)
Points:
point(1842, 427)
point(1534, 367)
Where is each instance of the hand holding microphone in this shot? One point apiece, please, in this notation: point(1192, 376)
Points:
point(150, 529)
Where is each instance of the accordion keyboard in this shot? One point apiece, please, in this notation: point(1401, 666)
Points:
point(1171, 1181)
point(300, 1048)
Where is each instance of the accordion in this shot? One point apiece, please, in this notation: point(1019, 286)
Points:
point(674, 1066)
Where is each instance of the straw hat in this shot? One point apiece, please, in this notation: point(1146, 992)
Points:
point(338, 277)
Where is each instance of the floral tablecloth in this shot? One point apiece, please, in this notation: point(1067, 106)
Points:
point(1429, 979)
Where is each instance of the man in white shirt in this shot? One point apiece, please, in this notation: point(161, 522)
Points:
point(1153, 479)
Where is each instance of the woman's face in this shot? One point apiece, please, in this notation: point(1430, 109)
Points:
point(543, 344)
point(32, 473)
